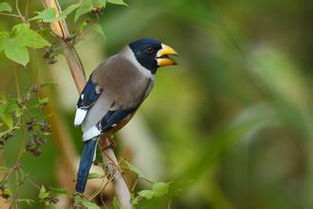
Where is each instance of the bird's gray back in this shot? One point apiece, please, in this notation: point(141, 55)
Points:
point(123, 87)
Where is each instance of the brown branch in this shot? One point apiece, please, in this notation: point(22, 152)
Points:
point(60, 29)
point(75, 66)
point(114, 169)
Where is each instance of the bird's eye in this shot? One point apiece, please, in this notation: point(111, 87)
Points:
point(149, 50)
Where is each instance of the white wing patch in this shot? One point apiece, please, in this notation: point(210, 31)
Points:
point(79, 116)
point(91, 133)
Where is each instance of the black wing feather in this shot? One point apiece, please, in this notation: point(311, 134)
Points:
point(88, 96)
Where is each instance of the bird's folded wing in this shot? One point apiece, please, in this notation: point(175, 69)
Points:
point(87, 98)
point(110, 120)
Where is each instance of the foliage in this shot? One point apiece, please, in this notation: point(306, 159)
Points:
point(5, 7)
point(230, 128)
point(83, 203)
point(15, 43)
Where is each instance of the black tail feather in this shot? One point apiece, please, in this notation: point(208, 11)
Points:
point(85, 164)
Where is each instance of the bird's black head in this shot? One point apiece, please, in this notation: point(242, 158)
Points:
point(151, 53)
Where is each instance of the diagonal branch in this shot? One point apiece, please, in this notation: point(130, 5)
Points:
point(61, 30)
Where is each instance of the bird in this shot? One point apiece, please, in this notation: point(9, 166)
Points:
point(114, 92)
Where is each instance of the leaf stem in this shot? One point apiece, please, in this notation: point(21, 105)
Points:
point(18, 10)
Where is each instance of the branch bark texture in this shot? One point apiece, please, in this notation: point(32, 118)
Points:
point(61, 30)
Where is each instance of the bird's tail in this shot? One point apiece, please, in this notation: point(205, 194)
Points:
point(85, 163)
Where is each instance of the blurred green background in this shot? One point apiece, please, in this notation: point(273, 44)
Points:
point(233, 121)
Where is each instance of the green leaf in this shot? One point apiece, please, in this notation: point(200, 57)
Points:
point(97, 27)
point(119, 2)
point(95, 176)
point(148, 194)
point(7, 119)
point(85, 7)
point(12, 107)
point(116, 204)
point(160, 189)
point(22, 36)
point(69, 10)
point(134, 169)
point(28, 37)
point(8, 131)
point(4, 36)
point(15, 52)
point(47, 15)
point(58, 190)
point(86, 203)
point(5, 7)
point(28, 201)
point(43, 193)
point(137, 172)
point(48, 84)
point(99, 3)
point(44, 100)
point(7, 192)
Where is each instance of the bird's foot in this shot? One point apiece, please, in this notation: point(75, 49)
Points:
point(109, 144)
point(112, 143)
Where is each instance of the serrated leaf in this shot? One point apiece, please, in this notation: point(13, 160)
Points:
point(94, 176)
point(5, 7)
point(47, 15)
point(28, 37)
point(15, 52)
point(119, 2)
point(97, 27)
point(148, 194)
point(84, 8)
point(15, 47)
point(160, 189)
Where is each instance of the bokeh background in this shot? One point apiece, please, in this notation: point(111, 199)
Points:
point(233, 121)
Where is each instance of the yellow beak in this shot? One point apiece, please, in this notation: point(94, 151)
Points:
point(162, 56)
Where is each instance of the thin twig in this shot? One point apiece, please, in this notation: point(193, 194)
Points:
point(120, 186)
point(10, 15)
point(18, 10)
point(102, 187)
